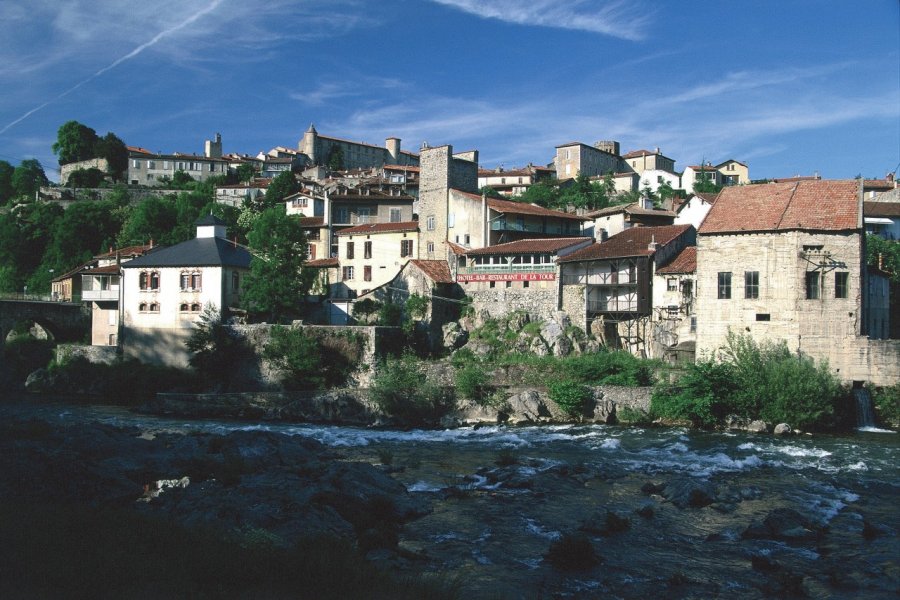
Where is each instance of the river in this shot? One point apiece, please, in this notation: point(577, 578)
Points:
point(502, 496)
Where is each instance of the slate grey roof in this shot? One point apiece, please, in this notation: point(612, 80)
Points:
point(198, 252)
point(210, 219)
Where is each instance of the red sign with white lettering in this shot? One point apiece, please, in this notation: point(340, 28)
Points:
point(507, 277)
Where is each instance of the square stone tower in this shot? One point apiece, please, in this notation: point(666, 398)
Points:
point(439, 172)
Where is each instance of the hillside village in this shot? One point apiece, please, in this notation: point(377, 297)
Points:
point(676, 261)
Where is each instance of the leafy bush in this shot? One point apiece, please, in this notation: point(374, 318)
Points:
point(127, 382)
point(570, 396)
point(309, 359)
point(214, 350)
point(390, 315)
point(754, 381)
point(632, 416)
point(887, 404)
point(609, 368)
point(23, 354)
point(401, 390)
point(417, 307)
point(365, 308)
point(473, 382)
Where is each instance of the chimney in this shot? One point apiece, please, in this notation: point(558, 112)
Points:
point(657, 150)
point(603, 235)
point(652, 246)
point(151, 243)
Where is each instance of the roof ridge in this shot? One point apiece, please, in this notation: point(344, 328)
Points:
point(787, 205)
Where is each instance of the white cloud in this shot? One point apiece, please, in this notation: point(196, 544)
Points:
point(626, 20)
point(353, 85)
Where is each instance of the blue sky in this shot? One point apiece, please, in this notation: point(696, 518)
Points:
point(789, 87)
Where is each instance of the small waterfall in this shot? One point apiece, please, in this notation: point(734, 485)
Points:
point(865, 411)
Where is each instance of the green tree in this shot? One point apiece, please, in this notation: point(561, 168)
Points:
point(6, 186)
point(282, 186)
point(181, 180)
point(153, 219)
point(28, 177)
point(74, 142)
point(490, 192)
point(214, 350)
point(542, 193)
point(888, 251)
point(86, 178)
point(245, 172)
point(665, 191)
point(278, 283)
point(115, 152)
point(336, 158)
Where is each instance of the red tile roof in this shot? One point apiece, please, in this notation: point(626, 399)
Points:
point(819, 205)
point(456, 248)
point(436, 270)
point(634, 241)
point(411, 169)
point(312, 221)
point(126, 251)
point(709, 197)
point(878, 184)
point(323, 263)
point(101, 270)
point(380, 228)
point(633, 209)
point(521, 208)
point(530, 246)
point(881, 209)
point(684, 262)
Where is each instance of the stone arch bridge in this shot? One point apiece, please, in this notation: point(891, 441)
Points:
point(65, 321)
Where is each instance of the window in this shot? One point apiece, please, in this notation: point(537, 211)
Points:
point(763, 317)
point(406, 248)
point(195, 307)
point(136, 164)
point(430, 247)
point(841, 284)
point(525, 284)
point(342, 215)
point(751, 284)
point(466, 239)
point(671, 284)
point(687, 288)
point(367, 273)
point(190, 282)
point(154, 307)
point(451, 220)
point(149, 281)
point(363, 214)
point(395, 215)
point(430, 223)
point(184, 307)
point(367, 250)
point(724, 285)
point(142, 307)
point(509, 284)
point(151, 164)
point(235, 281)
point(347, 274)
point(349, 249)
point(812, 285)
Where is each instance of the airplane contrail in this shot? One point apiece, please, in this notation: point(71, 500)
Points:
point(212, 6)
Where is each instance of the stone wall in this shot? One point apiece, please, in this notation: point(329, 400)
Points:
point(540, 304)
point(65, 171)
point(105, 355)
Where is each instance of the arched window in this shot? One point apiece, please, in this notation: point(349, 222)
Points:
point(154, 307)
point(149, 281)
point(183, 307)
point(195, 307)
point(190, 281)
point(142, 307)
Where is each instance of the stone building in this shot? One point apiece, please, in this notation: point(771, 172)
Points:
point(148, 168)
point(785, 262)
point(615, 219)
point(440, 172)
point(674, 322)
point(321, 150)
point(165, 291)
point(644, 160)
point(515, 276)
point(608, 287)
point(574, 158)
point(513, 182)
point(372, 254)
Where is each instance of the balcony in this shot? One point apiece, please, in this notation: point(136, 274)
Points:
point(612, 305)
point(514, 268)
point(100, 295)
point(549, 229)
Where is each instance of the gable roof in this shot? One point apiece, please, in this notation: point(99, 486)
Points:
point(312, 221)
point(818, 205)
point(380, 228)
point(529, 246)
point(197, 252)
point(684, 262)
point(634, 241)
point(436, 270)
point(634, 208)
point(322, 263)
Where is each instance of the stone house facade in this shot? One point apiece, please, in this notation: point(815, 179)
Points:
point(674, 321)
point(615, 219)
point(165, 291)
point(608, 287)
point(371, 255)
point(318, 149)
point(785, 262)
point(148, 168)
point(574, 158)
point(440, 171)
point(640, 161)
